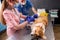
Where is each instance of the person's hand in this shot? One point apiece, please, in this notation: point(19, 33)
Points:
point(35, 15)
point(29, 19)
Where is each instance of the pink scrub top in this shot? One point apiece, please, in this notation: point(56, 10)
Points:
point(11, 19)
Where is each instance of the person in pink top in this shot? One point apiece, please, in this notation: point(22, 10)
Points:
point(11, 17)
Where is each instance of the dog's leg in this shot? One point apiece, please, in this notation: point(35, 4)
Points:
point(44, 37)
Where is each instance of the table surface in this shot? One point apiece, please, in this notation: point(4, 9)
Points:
point(25, 34)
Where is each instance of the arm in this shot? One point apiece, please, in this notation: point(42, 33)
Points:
point(22, 16)
point(34, 10)
point(12, 23)
point(30, 5)
point(21, 26)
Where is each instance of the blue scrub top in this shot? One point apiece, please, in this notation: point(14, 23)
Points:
point(24, 9)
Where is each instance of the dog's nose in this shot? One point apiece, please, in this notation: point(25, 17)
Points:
point(33, 34)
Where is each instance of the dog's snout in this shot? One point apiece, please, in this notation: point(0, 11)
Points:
point(33, 34)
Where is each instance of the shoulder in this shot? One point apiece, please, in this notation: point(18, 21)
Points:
point(17, 5)
point(28, 1)
point(6, 11)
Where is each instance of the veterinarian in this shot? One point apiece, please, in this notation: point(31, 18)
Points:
point(23, 6)
point(10, 17)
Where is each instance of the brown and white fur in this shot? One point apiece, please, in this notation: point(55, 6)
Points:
point(39, 25)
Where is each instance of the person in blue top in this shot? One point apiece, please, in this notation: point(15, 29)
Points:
point(23, 7)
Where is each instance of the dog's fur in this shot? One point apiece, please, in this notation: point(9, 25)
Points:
point(39, 25)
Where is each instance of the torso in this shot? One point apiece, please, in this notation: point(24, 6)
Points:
point(11, 31)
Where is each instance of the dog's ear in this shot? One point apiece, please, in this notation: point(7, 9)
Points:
point(42, 34)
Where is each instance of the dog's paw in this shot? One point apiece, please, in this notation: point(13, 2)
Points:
point(44, 37)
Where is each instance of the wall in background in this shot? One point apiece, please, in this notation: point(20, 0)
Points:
point(47, 4)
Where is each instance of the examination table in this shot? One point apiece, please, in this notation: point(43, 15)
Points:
point(25, 34)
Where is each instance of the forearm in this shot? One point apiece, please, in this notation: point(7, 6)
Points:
point(21, 26)
point(22, 16)
point(34, 10)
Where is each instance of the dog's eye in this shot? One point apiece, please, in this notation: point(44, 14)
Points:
point(35, 31)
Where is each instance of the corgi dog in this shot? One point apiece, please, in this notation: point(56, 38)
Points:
point(38, 27)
